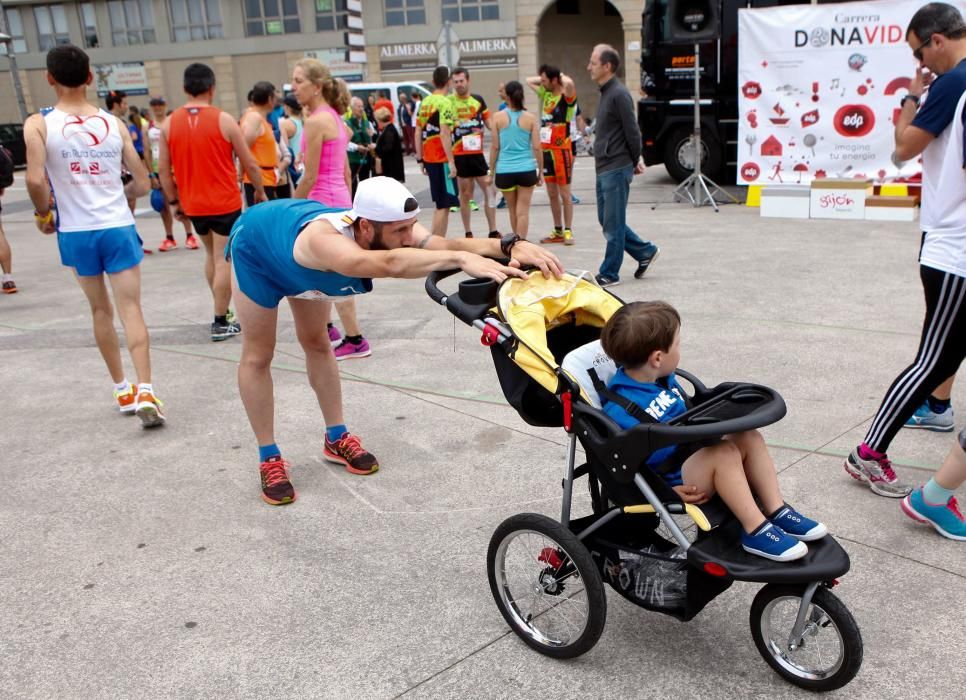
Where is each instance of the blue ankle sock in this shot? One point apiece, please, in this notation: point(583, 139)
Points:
point(333, 433)
point(266, 451)
point(938, 405)
point(934, 493)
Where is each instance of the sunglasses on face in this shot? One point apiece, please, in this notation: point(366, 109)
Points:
point(917, 53)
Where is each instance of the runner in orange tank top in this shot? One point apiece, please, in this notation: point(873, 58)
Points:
point(199, 142)
point(261, 139)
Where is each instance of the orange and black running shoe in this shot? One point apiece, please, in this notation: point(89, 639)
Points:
point(349, 452)
point(277, 490)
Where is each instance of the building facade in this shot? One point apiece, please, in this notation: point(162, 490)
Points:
point(143, 46)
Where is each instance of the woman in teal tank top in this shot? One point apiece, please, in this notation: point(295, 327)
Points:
point(516, 154)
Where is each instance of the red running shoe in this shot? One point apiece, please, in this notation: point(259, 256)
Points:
point(277, 490)
point(191, 243)
point(167, 244)
point(348, 451)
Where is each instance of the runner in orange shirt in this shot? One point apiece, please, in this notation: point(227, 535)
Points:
point(558, 98)
point(200, 143)
point(260, 138)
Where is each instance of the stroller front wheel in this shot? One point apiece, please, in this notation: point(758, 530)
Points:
point(829, 652)
point(546, 585)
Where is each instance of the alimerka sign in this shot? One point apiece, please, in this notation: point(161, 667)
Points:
point(426, 55)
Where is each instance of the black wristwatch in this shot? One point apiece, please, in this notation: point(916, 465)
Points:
point(914, 98)
point(507, 242)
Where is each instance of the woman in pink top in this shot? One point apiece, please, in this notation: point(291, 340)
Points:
point(325, 139)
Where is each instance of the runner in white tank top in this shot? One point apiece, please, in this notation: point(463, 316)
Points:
point(84, 168)
point(75, 152)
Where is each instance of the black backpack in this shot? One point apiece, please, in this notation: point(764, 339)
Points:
point(6, 168)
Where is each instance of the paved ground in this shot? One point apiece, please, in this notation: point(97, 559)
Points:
point(144, 564)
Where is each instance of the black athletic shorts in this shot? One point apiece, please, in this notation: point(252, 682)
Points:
point(510, 181)
point(441, 186)
point(270, 191)
point(471, 166)
point(220, 223)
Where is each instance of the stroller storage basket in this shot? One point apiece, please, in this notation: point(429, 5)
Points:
point(647, 569)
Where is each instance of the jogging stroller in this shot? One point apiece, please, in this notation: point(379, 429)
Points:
point(547, 576)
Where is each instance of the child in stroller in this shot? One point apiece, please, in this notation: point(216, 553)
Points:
point(644, 339)
point(640, 538)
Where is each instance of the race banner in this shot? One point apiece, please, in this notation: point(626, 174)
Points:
point(819, 89)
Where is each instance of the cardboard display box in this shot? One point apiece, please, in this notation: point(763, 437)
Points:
point(785, 201)
point(833, 198)
point(890, 209)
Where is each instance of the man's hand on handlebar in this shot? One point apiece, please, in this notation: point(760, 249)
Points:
point(524, 253)
point(478, 266)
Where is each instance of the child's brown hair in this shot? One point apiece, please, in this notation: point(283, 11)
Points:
point(638, 329)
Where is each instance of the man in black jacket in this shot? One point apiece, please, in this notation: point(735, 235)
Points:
point(617, 158)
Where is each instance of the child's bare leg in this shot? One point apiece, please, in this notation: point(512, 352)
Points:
point(718, 469)
point(759, 468)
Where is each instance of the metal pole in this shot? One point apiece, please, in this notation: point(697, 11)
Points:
point(697, 125)
point(14, 73)
point(448, 28)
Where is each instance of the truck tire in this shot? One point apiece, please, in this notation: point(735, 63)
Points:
point(678, 158)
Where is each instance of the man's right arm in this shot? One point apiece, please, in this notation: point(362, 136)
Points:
point(165, 172)
point(535, 83)
point(911, 140)
point(35, 137)
point(323, 250)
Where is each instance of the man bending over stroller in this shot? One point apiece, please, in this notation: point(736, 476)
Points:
point(644, 339)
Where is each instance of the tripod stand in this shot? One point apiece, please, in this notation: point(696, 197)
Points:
point(698, 188)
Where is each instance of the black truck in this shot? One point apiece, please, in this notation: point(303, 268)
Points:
point(665, 112)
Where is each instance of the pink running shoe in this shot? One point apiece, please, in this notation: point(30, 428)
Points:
point(350, 351)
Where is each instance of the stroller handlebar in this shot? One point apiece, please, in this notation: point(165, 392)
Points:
point(472, 300)
point(432, 284)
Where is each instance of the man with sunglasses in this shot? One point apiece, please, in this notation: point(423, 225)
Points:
point(303, 251)
point(930, 125)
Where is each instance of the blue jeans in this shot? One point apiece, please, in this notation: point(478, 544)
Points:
point(613, 188)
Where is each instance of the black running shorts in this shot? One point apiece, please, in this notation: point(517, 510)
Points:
point(220, 223)
point(510, 181)
point(441, 185)
point(471, 166)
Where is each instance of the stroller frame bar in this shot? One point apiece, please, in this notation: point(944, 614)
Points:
point(568, 486)
point(642, 485)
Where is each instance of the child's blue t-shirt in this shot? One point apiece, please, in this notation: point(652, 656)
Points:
point(663, 400)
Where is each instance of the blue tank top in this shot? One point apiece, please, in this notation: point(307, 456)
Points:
point(264, 238)
point(516, 153)
point(136, 137)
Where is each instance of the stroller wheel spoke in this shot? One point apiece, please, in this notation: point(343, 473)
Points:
point(538, 575)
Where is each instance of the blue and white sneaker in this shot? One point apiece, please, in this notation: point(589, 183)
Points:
point(771, 542)
point(946, 518)
point(926, 419)
point(797, 525)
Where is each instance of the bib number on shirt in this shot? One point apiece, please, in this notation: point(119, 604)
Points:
point(473, 142)
point(546, 133)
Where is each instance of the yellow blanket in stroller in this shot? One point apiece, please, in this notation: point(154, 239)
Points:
point(533, 306)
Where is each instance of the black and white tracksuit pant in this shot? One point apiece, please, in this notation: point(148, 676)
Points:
point(942, 348)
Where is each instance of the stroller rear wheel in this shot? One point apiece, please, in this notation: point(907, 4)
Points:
point(829, 652)
point(546, 585)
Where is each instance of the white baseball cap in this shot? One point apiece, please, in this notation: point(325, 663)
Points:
point(384, 199)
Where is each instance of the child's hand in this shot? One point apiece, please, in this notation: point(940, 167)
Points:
point(690, 494)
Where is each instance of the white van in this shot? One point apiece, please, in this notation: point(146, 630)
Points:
point(391, 90)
